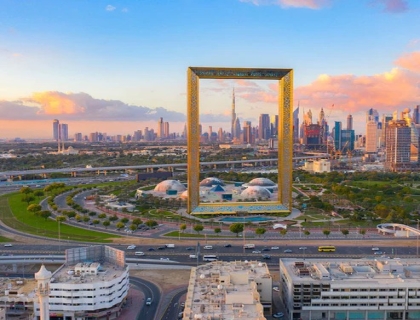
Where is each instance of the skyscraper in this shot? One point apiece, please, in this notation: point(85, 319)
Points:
point(247, 136)
point(349, 122)
point(337, 136)
point(398, 143)
point(166, 130)
point(64, 131)
point(264, 131)
point(160, 128)
point(232, 131)
point(416, 114)
point(56, 129)
point(372, 119)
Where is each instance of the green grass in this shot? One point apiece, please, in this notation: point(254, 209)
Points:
point(14, 214)
point(193, 235)
point(4, 239)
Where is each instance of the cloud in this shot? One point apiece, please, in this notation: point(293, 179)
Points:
point(81, 107)
point(110, 8)
point(125, 10)
point(391, 6)
point(310, 4)
point(410, 61)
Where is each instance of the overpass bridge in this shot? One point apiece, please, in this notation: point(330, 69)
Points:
point(149, 167)
point(397, 229)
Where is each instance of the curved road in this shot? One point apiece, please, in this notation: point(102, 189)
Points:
point(150, 290)
point(174, 307)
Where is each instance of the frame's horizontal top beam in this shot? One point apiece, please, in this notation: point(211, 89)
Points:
point(239, 73)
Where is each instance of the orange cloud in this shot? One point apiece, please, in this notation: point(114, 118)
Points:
point(410, 61)
point(387, 91)
point(55, 103)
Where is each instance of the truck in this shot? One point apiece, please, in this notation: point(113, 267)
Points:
point(170, 245)
point(249, 246)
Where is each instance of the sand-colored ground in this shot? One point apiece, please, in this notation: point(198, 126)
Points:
point(167, 280)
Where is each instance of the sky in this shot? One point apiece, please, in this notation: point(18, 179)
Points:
point(118, 66)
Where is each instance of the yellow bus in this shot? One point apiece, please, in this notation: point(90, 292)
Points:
point(326, 248)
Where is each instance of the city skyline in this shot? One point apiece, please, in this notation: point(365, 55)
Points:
point(123, 66)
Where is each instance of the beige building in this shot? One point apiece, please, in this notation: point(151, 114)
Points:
point(229, 290)
point(317, 166)
point(357, 289)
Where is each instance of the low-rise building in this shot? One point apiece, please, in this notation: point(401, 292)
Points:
point(362, 289)
point(229, 290)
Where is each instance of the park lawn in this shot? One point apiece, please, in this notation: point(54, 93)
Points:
point(15, 215)
point(195, 235)
point(4, 239)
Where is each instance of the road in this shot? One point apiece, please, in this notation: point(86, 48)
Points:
point(150, 290)
point(174, 307)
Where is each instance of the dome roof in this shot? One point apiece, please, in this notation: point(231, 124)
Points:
point(262, 182)
point(211, 181)
point(43, 274)
point(256, 192)
point(170, 185)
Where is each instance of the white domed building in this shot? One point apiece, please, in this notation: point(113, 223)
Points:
point(210, 182)
point(167, 185)
point(262, 182)
point(256, 192)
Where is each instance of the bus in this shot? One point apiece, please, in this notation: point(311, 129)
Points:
point(209, 257)
point(326, 248)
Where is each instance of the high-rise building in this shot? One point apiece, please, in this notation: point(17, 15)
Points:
point(349, 122)
point(237, 130)
point(78, 137)
point(166, 130)
point(233, 120)
point(416, 114)
point(295, 125)
point(160, 128)
point(385, 119)
point(337, 136)
point(398, 144)
point(56, 129)
point(264, 129)
point(248, 136)
point(371, 145)
point(274, 124)
point(64, 129)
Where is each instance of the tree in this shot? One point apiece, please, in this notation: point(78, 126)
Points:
point(362, 232)
point(92, 213)
point(137, 221)
point(182, 227)
point(306, 233)
point(44, 214)
point(106, 224)
point(25, 190)
point(198, 228)
point(124, 220)
point(86, 219)
point(78, 217)
point(260, 231)
point(96, 221)
point(217, 230)
point(133, 227)
point(39, 193)
point(151, 223)
point(60, 218)
point(345, 232)
point(34, 208)
point(113, 218)
point(236, 228)
point(120, 225)
point(28, 198)
point(102, 215)
point(283, 232)
point(326, 232)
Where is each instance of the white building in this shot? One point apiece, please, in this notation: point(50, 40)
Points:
point(92, 284)
point(318, 166)
point(356, 289)
point(229, 290)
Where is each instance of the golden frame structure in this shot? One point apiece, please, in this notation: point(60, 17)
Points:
point(285, 140)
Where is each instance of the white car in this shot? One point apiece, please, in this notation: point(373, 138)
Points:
point(375, 249)
point(276, 289)
point(256, 251)
point(131, 247)
point(275, 248)
point(148, 301)
point(288, 251)
point(164, 259)
point(303, 248)
point(8, 245)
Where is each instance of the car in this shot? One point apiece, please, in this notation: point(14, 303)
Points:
point(189, 248)
point(288, 251)
point(139, 253)
point(278, 315)
point(182, 304)
point(276, 289)
point(151, 249)
point(256, 251)
point(228, 245)
point(148, 301)
point(164, 259)
point(131, 247)
point(266, 256)
point(265, 249)
point(375, 249)
point(8, 245)
point(180, 315)
point(275, 248)
point(378, 252)
point(161, 248)
point(303, 248)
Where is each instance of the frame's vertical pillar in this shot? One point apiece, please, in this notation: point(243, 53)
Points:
point(193, 141)
point(285, 140)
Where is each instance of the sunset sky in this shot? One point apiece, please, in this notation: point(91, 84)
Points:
point(117, 66)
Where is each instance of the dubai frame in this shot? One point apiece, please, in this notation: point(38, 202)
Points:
point(285, 140)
